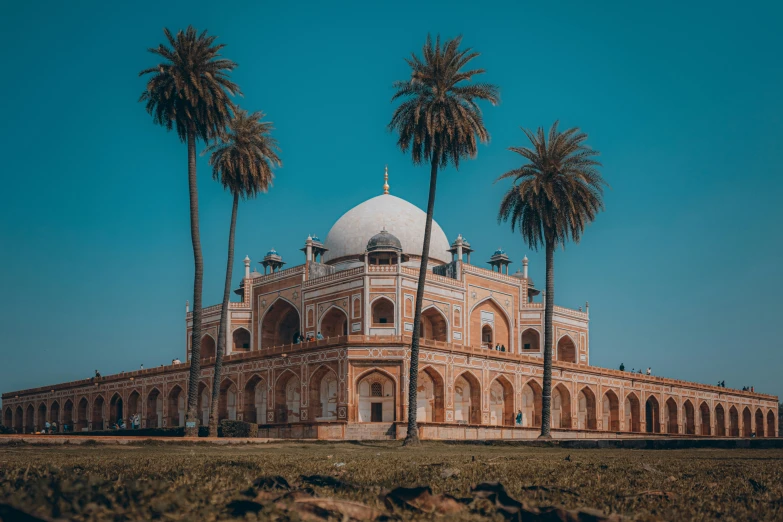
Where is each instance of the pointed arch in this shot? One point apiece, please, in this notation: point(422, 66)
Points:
point(134, 403)
point(670, 416)
point(690, 417)
point(585, 413)
point(227, 400)
point(486, 312)
point(531, 404)
point(611, 411)
point(720, 421)
point(501, 402)
point(467, 398)
point(734, 430)
point(652, 415)
point(561, 407)
point(323, 393)
point(116, 413)
point(154, 408)
point(759, 423)
point(747, 422)
point(82, 423)
point(42, 411)
point(204, 402)
point(98, 414)
point(54, 414)
point(770, 424)
point(288, 396)
point(531, 341)
point(208, 347)
point(29, 426)
point(566, 349)
point(333, 322)
point(8, 417)
point(383, 311)
point(255, 400)
point(633, 418)
point(430, 396)
point(706, 418)
point(376, 391)
point(176, 406)
point(241, 340)
point(279, 323)
point(19, 420)
point(434, 324)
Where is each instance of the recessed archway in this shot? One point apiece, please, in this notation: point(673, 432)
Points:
point(770, 424)
point(467, 399)
point(733, 422)
point(288, 397)
point(42, 416)
point(382, 312)
point(720, 421)
point(489, 313)
point(67, 423)
point(632, 406)
point(54, 415)
point(240, 340)
point(155, 409)
point(29, 426)
point(561, 407)
point(429, 396)
point(376, 392)
point(334, 323)
point(706, 420)
point(280, 324)
point(585, 413)
point(434, 325)
point(501, 402)
point(204, 402)
point(227, 401)
point(611, 411)
point(652, 414)
point(255, 401)
point(134, 405)
point(690, 418)
point(531, 340)
point(208, 347)
point(81, 415)
point(8, 418)
point(747, 422)
point(19, 420)
point(566, 349)
point(531, 404)
point(759, 423)
point(323, 394)
point(670, 415)
point(115, 410)
point(98, 405)
point(487, 336)
point(176, 407)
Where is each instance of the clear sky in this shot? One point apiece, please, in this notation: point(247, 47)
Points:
point(683, 99)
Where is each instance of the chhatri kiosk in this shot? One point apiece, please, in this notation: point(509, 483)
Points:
point(481, 357)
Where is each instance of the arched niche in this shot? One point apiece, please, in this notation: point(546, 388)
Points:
point(279, 324)
point(334, 323)
point(611, 411)
point(255, 402)
point(240, 340)
point(632, 407)
point(531, 340)
point(382, 310)
point(566, 349)
point(288, 398)
point(501, 402)
point(561, 407)
point(490, 313)
point(467, 399)
point(531, 404)
point(585, 410)
point(323, 394)
point(434, 325)
point(376, 397)
point(429, 396)
point(176, 406)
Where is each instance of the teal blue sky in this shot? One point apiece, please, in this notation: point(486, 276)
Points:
point(683, 99)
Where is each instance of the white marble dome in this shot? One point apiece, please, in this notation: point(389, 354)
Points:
point(349, 236)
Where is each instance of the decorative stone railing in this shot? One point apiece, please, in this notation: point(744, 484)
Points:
point(471, 269)
point(337, 276)
point(431, 277)
point(382, 268)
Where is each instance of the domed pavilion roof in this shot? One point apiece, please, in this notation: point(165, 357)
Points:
point(403, 220)
point(383, 240)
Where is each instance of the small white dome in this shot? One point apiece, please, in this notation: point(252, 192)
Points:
point(349, 236)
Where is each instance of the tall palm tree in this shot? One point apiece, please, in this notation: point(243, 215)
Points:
point(555, 194)
point(188, 91)
point(439, 122)
point(242, 162)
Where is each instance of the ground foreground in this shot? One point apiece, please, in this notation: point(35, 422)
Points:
point(318, 481)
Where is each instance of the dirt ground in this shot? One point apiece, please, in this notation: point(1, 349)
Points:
point(344, 481)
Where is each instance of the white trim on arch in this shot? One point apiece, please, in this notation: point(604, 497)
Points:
point(445, 316)
point(510, 322)
point(266, 310)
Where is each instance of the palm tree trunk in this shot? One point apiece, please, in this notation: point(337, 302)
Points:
point(191, 420)
point(222, 331)
point(412, 438)
point(549, 308)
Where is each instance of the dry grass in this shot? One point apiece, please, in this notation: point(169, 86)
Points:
point(188, 482)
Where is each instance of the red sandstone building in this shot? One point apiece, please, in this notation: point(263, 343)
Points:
point(354, 296)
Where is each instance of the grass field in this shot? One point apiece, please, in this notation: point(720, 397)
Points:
point(206, 482)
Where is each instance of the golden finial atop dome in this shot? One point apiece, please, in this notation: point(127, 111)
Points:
point(386, 180)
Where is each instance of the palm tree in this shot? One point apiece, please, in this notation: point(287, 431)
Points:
point(440, 122)
point(555, 194)
point(188, 91)
point(242, 162)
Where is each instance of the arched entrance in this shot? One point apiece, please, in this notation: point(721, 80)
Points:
point(155, 409)
point(8, 418)
point(29, 426)
point(81, 415)
point(690, 418)
point(429, 396)
point(495, 328)
point(434, 325)
point(208, 347)
point(561, 407)
point(531, 340)
point(467, 399)
point(279, 324)
point(770, 424)
point(706, 420)
point(41, 416)
point(611, 411)
point(747, 422)
point(176, 407)
point(204, 402)
point(759, 423)
point(240, 340)
point(67, 424)
point(720, 421)
point(98, 415)
point(334, 323)
point(288, 398)
point(227, 401)
point(115, 410)
point(585, 412)
point(255, 401)
point(566, 349)
point(323, 394)
point(501, 402)
point(531, 404)
point(382, 312)
point(54, 414)
point(376, 393)
point(652, 414)
point(134, 405)
point(19, 420)
point(633, 422)
point(733, 422)
point(670, 414)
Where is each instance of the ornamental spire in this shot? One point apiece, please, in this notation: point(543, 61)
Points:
point(386, 180)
